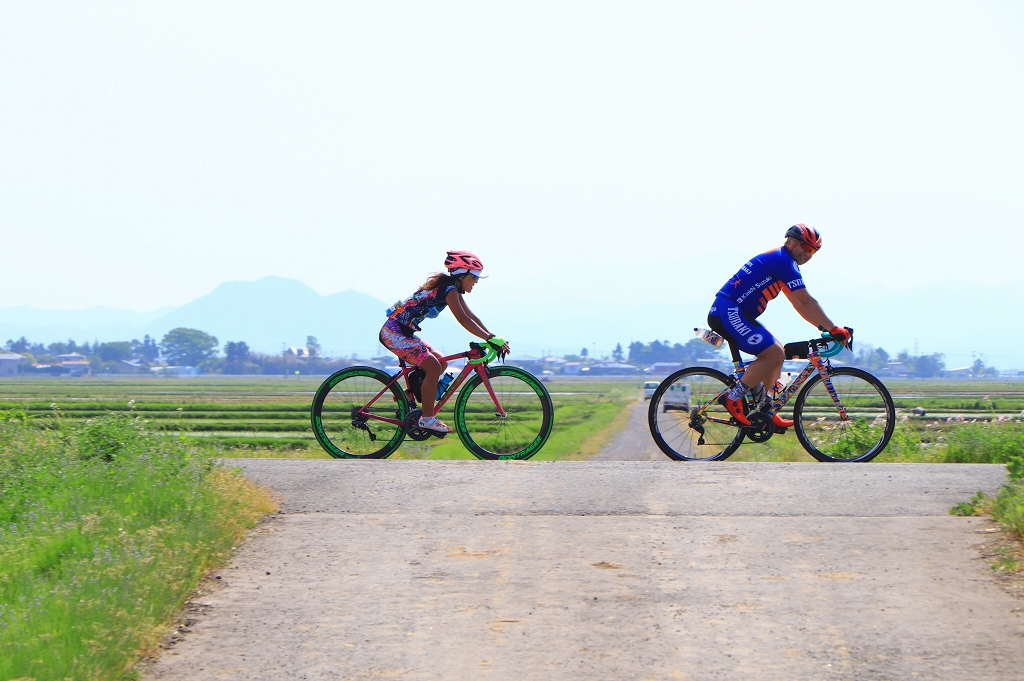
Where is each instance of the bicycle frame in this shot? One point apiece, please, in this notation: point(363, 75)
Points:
point(476, 361)
point(815, 363)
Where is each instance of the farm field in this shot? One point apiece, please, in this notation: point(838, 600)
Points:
point(263, 416)
point(269, 416)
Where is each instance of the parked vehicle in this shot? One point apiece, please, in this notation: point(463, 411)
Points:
point(676, 397)
point(649, 388)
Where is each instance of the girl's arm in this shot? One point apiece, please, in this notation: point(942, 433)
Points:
point(469, 321)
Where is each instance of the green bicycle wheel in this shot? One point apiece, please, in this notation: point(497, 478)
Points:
point(344, 435)
point(521, 432)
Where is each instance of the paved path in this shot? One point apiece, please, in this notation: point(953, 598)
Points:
point(634, 441)
point(609, 570)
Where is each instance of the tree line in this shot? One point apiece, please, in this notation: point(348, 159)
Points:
point(195, 348)
point(178, 347)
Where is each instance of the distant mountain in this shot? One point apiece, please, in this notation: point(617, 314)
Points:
point(269, 314)
point(273, 313)
point(103, 323)
point(588, 307)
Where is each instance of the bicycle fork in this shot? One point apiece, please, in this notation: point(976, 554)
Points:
point(826, 378)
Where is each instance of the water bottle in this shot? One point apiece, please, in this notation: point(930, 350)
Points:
point(443, 383)
point(783, 383)
point(709, 336)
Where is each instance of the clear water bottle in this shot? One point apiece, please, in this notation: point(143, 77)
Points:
point(708, 336)
point(783, 383)
point(443, 383)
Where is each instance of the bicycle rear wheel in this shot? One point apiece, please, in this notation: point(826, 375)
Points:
point(344, 436)
point(870, 416)
point(528, 420)
point(685, 421)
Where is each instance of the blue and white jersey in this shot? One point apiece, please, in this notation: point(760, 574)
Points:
point(763, 278)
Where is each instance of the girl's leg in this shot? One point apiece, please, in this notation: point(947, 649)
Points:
point(433, 367)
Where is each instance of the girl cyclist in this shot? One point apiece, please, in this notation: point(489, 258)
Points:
point(438, 292)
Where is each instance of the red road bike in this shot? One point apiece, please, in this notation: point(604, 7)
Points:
point(501, 412)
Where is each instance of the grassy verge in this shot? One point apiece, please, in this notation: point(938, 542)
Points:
point(105, 528)
point(914, 441)
point(587, 414)
point(580, 431)
point(1006, 508)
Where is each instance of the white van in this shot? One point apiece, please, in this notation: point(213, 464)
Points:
point(676, 397)
point(649, 388)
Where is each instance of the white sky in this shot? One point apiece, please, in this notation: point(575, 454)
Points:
point(149, 152)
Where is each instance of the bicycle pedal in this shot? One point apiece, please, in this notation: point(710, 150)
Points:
point(780, 431)
point(437, 434)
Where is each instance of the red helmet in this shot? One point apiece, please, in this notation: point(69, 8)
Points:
point(805, 235)
point(462, 260)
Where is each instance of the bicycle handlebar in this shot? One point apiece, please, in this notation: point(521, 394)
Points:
point(837, 347)
point(491, 353)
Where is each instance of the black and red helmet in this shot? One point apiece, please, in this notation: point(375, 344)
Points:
point(805, 235)
point(462, 260)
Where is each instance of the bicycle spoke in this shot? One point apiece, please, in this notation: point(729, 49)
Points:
point(870, 416)
point(675, 427)
point(338, 403)
point(521, 431)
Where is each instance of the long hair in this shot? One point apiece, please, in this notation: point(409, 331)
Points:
point(436, 280)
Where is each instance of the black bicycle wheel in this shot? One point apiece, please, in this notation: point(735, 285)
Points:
point(865, 430)
point(528, 420)
point(686, 421)
point(344, 436)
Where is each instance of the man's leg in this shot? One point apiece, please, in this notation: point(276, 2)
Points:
point(750, 337)
point(766, 369)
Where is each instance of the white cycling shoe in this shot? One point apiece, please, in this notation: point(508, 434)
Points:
point(433, 423)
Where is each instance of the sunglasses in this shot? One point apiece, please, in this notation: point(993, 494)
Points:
point(810, 250)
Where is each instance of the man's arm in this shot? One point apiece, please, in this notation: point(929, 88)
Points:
point(808, 308)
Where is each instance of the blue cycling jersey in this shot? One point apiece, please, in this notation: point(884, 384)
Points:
point(764, 277)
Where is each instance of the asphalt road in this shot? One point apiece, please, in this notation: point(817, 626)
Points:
point(609, 570)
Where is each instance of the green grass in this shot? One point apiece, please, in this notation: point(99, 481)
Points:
point(268, 416)
point(105, 528)
point(580, 431)
point(1006, 508)
point(916, 440)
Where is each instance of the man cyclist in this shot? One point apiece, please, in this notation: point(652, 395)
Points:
point(742, 300)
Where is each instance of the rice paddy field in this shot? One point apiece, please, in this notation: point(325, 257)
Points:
point(951, 421)
point(269, 416)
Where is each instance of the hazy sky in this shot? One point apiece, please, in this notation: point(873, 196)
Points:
point(151, 151)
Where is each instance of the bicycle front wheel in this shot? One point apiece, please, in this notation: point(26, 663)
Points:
point(344, 435)
point(521, 432)
point(687, 422)
point(862, 433)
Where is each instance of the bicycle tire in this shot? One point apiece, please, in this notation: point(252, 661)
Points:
point(528, 421)
point(349, 389)
point(671, 425)
point(826, 436)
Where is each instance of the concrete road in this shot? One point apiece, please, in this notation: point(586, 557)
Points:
point(609, 570)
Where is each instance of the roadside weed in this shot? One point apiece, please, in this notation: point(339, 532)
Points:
point(105, 528)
